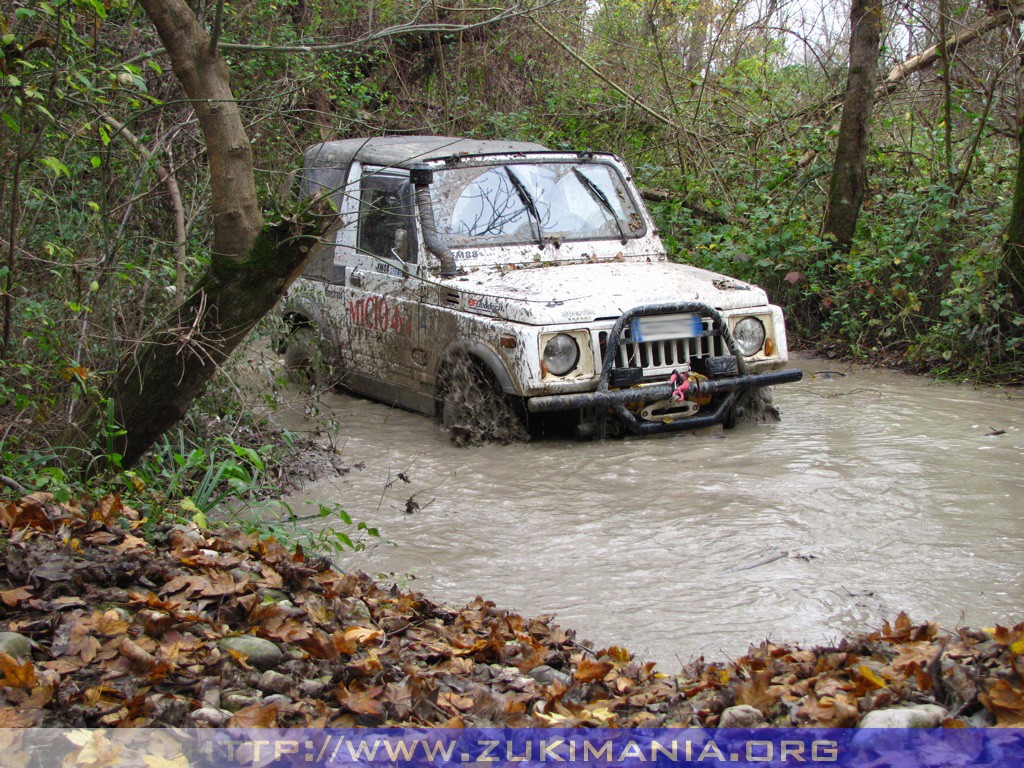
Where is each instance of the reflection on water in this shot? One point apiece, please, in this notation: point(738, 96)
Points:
point(887, 493)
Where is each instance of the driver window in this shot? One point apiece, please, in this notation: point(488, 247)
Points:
point(385, 219)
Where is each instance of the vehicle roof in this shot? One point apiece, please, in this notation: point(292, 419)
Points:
point(406, 151)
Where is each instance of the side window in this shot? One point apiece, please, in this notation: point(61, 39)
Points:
point(385, 218)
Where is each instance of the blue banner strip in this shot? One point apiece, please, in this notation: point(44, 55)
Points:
point(511, 748)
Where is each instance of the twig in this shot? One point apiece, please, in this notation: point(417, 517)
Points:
point(13, 484)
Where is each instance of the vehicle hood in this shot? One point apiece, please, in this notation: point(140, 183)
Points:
point(586, 292)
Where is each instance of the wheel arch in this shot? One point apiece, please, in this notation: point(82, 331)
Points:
point(478, 353)
point(303, 314)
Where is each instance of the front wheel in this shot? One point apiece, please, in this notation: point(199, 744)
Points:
point(753, 405)
point(475, 410)
point(304, 358)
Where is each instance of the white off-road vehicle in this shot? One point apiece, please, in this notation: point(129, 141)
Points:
point(489, 282)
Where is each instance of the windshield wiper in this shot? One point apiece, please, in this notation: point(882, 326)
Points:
point(527, 200)
point(600, 196)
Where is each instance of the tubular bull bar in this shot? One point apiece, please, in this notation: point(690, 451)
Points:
point(615, 400)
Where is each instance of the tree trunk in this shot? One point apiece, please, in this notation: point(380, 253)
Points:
point(846, 192)
point(250, 267)
point(1012, 269)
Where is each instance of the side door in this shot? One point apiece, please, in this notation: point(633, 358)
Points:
point(384, 291)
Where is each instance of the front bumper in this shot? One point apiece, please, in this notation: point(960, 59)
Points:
point(605, 399)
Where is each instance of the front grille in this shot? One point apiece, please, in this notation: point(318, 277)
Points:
point(660, 358)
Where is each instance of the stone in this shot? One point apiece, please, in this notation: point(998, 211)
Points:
point(211, 716)
point(546, 675)
point(278, 698)
point(236, 701)
point(918, 716)
point(274, 682)
point(741, 716)
point(259, 652)
point(312, 689)
point(13, 644)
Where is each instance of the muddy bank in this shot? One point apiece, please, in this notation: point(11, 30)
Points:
point(105, 629)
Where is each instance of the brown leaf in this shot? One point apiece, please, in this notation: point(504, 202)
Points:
point(363, 702)
point(107, 509)
point(255, 716)
point(12, 597)
point(18, 718)
point(1006, 702)
point(16, 674)
point(138, 658)
point(588, 671)
point(755, 692)
point(29, 512)
point(828, 712)
point(131, 543)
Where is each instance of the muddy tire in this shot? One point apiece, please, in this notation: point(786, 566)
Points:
point(753, 405)
point(475, 410)
point(304, 359)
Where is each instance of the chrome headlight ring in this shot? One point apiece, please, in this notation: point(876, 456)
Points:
point(749, 335)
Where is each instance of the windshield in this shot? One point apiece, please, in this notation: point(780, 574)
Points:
point(533, 203)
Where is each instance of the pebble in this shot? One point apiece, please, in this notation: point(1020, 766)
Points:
point(16, 645)
point(274, 682)
point(546, 675)
point(741, 716)
point(236, 701)
point(312, 689)
point(191, 533)
point(211, 716)
point(920, 716)
point(260, 653)
point(277, 698)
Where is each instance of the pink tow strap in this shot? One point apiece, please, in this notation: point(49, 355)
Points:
point(681, 383)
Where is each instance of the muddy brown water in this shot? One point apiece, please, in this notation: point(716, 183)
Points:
point(878, 492)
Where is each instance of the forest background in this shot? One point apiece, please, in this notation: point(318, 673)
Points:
point(735, 116)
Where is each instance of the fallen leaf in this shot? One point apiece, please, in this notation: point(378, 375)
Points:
point(588, 671)
point(12, 597)
point(1006, 702)
point(17, 674)
point(255, 716)
point(362, 702)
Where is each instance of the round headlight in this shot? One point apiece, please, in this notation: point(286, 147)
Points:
point(561, 354)
point(749, 335)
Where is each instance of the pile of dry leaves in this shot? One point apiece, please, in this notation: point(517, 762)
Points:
point(218, 628)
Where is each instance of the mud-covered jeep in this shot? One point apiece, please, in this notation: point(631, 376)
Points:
point(489, 282)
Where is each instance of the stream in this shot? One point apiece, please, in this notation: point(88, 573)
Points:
point(877, 492)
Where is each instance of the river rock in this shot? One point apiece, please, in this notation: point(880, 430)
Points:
point(312, 689)
point(211, 716)
point(233, 702)
point(741, 716)
point(261, 653)
point(277, 698)
point(546, 675)
point(919, 716)
point(270, 595)
point(13, 644)
point(274, 682)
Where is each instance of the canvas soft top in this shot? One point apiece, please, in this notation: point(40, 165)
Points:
point(406, 151)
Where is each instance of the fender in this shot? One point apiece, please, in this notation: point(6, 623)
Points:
point(314, 315)
point(488, 356)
